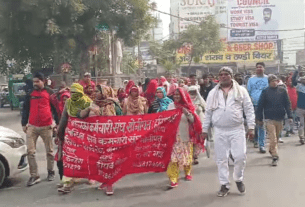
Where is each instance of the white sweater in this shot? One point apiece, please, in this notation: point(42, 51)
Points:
point(229, 113)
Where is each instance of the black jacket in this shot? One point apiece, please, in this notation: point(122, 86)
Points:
point(204, 91)
point(274, 103)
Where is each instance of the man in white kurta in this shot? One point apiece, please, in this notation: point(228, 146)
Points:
point(226, 104)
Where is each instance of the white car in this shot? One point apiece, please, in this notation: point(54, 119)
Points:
point(13, 154)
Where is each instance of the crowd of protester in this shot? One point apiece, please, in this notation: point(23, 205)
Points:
point(225, 108)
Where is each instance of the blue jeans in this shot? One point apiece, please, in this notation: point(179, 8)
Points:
point(260, 134)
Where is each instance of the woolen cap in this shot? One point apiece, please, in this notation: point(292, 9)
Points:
point(226, 69)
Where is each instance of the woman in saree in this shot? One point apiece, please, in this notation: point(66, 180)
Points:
point(129, 85)
point(200, 105)
point(89, 92)
point(64, 96)
point(134, 103)
point(189, 131)
point(78, 101)
point(161, 101)
point(121, 96)
point(104, 105)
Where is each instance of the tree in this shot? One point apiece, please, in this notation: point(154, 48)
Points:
point(166, 54)
point(49, 32)
point(203, 38)
point(130, 64)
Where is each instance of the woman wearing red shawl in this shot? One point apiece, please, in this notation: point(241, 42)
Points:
point(189, 132)
point(129, 85)
point(151, 91)
point(59, 98)
point(121, 96)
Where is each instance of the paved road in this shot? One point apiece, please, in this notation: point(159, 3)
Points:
point(267, 186)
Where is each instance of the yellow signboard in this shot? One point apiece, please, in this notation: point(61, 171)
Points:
point(234, 52)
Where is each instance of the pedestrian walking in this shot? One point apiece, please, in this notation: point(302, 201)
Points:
point(200, 106)
point(225, 106)
point(73, 107)
point(189, 131)
point(134, 103)
point(240, 79)
point(272, 106)
point(299, 81)
point(150, 92)
point(37, 120)
point(86, 81)
point(206, 86)
point(161, 101)
point(293, 97)
point(103, 105)
point(194, 81)
point(121, 96)
point(256, 85)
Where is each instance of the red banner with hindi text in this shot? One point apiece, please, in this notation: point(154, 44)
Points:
point(107, 148)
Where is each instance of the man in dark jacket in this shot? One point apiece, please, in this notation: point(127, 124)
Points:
point(206, 87)
point(273, 104)
point(37, 120)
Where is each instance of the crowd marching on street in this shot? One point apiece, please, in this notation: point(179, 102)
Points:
point(226, 109)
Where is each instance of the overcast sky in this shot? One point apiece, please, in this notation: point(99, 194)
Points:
point(164, 5)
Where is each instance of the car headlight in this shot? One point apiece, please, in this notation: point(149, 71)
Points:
point(13, 142)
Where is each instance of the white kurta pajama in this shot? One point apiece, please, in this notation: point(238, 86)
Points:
point(226, 116)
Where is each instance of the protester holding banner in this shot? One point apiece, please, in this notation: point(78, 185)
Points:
point(200, 105)
point(104, 104)
point(135, 104)
point(61, 104)
point(161, 102)
point(73, 106)
point(189, 131)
